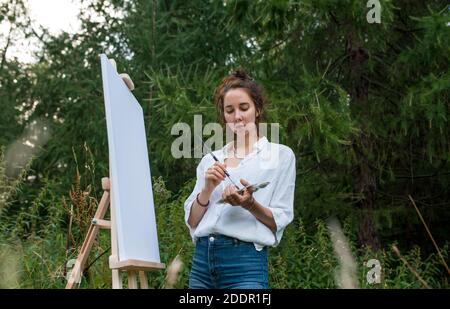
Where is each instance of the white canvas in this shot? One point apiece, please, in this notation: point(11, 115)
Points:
point(130, 178)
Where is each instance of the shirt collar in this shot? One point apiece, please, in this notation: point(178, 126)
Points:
point(257, 146)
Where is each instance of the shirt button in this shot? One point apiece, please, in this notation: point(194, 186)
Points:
point(211, 239)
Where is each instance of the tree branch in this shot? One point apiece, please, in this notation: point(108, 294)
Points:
point(8, 41)
point(334, 18)
point(422, 176)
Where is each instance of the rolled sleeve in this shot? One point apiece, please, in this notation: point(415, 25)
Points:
point(188, 203)
point(282, 202)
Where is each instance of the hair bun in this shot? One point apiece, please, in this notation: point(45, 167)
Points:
point(241, 74)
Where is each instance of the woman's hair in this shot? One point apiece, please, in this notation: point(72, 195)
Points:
point(238, 78)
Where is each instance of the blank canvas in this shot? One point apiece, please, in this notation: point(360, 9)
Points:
point(130, 177)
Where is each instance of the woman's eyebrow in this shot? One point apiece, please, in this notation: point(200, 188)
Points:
point(241, 103)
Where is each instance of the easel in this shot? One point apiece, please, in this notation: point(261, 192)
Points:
point(130, 266)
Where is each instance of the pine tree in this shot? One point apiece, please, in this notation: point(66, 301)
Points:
point(365, 105)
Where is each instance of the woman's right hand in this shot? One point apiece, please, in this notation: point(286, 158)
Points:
point(214, 176)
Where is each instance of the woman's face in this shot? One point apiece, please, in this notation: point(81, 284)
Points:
point(239, 111)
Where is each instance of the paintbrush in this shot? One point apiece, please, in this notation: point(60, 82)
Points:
point(217, 160)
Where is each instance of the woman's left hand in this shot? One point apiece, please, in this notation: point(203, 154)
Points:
point(231, 196)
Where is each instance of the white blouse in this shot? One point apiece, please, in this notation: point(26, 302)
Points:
point(267, 162)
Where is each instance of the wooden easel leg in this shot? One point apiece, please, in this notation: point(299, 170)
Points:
point(143, 280)
point(75, 274)
point(97, 223)
point(132, 280)
point(116, 280)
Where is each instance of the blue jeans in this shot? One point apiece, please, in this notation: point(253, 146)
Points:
point(222, 262)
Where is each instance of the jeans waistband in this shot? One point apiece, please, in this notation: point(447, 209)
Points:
point(219, 238)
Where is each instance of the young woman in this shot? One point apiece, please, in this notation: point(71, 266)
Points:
point(231, 238)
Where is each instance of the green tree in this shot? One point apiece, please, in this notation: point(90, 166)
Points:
point(363, 105)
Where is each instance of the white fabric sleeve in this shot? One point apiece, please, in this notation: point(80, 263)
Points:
point(282, 202)
point(188, 203)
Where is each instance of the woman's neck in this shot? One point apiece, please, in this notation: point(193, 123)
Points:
point(243, 145)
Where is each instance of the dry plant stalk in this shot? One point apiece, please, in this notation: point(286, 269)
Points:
point(429, 234)
point(397, 252)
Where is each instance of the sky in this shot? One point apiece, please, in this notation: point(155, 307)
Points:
point(55, 15)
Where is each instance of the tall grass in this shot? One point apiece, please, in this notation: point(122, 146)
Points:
point(36, 245)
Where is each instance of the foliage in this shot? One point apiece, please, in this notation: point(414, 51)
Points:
point(364, 107)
